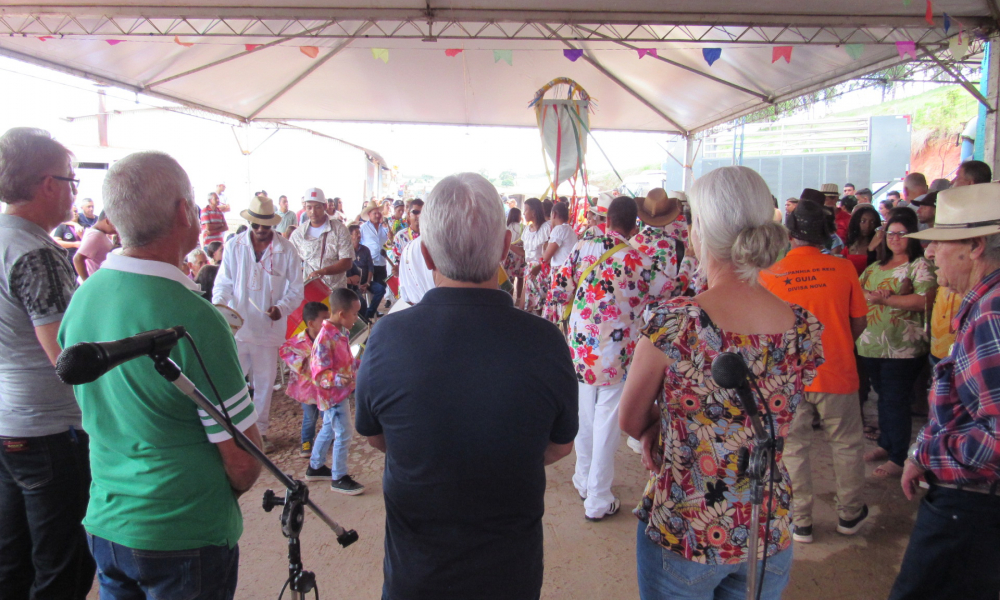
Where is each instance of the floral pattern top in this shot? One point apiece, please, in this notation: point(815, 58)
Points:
point(894, 332)
point(690, 281)
point(696, 505)
point(400, 242)
point(602, 330)
point(295, 352)
point(330, 360)
point(661, 243)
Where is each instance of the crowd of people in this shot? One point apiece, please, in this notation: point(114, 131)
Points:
point(611, 325)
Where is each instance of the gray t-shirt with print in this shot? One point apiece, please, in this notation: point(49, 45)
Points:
point(36, 284)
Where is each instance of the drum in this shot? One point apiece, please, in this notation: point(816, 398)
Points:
point(232, 317)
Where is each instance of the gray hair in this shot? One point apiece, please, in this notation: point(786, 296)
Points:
point(733, 214)
point(141, 193)
point(463, 228)
point(991, 251)
point(26, 156)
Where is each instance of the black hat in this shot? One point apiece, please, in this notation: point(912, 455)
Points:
point(928, 199)
point(815, 195)
point(809, 223)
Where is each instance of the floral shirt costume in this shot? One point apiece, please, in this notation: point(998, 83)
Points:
point(399, 243)
point(661, 243)
point(894, 332)
point(602, 334)
point(696, 506)
point(514, 264)
point(330, 360)
point(537, 286)
point(295, 352)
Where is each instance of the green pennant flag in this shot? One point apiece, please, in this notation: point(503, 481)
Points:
point(505, 55)
point(855, 50)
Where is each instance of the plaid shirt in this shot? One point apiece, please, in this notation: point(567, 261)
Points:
point(960, 443)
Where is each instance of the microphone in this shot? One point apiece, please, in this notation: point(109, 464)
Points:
point(85, 362)
point(729, 371)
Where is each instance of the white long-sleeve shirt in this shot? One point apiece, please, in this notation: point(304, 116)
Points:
point(250, 287)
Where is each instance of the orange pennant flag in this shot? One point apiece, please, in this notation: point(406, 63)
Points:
point(784, 52)
point(310, 51)
point(178, 41)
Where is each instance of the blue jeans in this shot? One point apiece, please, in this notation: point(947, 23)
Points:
point(310, 414)
point(954, 549)
point(207, 573)
point(44, 491)
point(378, 288)
point(337, 422)
point(893, 380)
point(664, 574)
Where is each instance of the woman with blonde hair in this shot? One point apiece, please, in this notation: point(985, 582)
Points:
point(695, 513)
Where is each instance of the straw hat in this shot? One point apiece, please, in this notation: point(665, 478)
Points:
point(261, 212)
point(657, 208)
point(372, 205)
point(603, 203)
point(965, 212)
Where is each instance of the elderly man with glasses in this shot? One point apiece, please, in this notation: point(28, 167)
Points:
point(261, 278)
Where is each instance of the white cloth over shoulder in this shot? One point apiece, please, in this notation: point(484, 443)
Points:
point(415, 279)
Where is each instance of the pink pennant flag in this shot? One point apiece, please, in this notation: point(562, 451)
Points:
point(452, 52)
point(929, 14)
point(114, 42)
point(784, 52)
point(644, 51)
point(310, 51)
point(907, 47)
point(178, 41)
point(252, 47)
point(46, 37)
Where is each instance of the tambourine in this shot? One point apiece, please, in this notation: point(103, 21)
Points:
point(231, 316)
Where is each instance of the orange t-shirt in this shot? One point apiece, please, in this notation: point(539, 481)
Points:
point(828, 287)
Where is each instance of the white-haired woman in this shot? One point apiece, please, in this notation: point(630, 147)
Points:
point(693, 534)
point(537, 272)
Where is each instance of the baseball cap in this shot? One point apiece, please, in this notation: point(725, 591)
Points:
point(314, 195)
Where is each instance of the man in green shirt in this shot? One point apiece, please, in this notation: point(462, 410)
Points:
point(163, 515)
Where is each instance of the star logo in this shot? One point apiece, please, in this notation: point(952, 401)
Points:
point(788, 281)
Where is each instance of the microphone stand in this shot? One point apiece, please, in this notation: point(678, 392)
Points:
point(296, 497)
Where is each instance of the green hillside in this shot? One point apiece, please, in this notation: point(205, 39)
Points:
point(941, 112)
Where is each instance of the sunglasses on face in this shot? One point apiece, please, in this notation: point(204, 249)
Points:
point(256, 226)
point(415, 212)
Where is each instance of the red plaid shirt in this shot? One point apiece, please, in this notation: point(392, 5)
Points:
point(960, 443)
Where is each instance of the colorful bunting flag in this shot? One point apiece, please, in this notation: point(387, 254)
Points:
point(381, 53)
point(178, 41)
point(46, 37)
point(114, 42)
point(310, 51)
point(907, 2)
point(573, 54)
point(644, 51)
point(854, 50)
point(907, 47)
point(929, 14)
point(947, 22)
point(452, 52)
point(958, 47)
point(784, 52)
point(711, 55)
point(504, 55)
point(252, 47)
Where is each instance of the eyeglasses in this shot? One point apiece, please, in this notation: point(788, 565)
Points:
point(74, 182)
point(415, 212)
point(896, 234)
point(256, 226)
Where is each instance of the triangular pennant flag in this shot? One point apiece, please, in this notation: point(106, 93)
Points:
point(504, 55)
point(907, 2)
point(310, 51)
point(178, 41)
point(784, 52)
point(929, 13)
point(573, 54)
point(114, 42)
point(711, 55)
point(252, 47)
point(644, 51)
point(854, 50)
point(947, 22)
point(381, 53)
point(958, 48)
point(452, 52)
point(46, 37)
point(907, 47)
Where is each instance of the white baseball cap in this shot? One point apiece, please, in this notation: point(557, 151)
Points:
point(314, 195)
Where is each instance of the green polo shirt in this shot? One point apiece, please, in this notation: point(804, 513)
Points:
point(158, 478)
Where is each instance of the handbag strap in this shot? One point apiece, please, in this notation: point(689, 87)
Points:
point(586, 272)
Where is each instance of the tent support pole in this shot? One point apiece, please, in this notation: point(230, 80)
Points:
point(688, 166)
point(990, 108)
point(991, 151)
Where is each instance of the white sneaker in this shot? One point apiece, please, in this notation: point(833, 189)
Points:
point(635, 445)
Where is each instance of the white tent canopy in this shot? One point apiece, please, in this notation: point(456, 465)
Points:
point(145, 46)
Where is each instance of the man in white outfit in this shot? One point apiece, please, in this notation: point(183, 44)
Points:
point(260, 278)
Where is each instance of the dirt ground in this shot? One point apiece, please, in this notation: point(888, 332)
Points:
point(582, 559)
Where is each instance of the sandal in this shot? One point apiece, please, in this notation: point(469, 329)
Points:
point(871, 433)
point(887, 470)
point(876, 454)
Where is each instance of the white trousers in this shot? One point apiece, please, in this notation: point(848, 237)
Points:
point(596, 443)
point(260, 364)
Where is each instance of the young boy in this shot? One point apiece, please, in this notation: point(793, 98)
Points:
point(301, 386)
point(94, 247)
point(333, 368)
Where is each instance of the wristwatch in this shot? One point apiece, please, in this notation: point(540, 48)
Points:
point(911, 454)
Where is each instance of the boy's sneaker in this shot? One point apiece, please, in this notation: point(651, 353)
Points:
point(854, 525)
point(307, 450)
point(613, 509)
point(321, 474)
point(803, 535)
point(346, 485)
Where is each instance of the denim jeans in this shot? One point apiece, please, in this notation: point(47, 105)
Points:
point(893, 380)
point(207, 573)
point(378, 287)
point(44, 491)
point(337, 422)
point(954, 549)
point(664, 574)
point(310, 414)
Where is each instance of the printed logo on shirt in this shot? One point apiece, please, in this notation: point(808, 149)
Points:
point(805, 279)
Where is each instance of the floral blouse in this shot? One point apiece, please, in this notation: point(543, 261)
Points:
point(661, 242)
point(894, 332)
point(295, 352)
point(399, 243)
point(331, 358)
point(696, 505)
